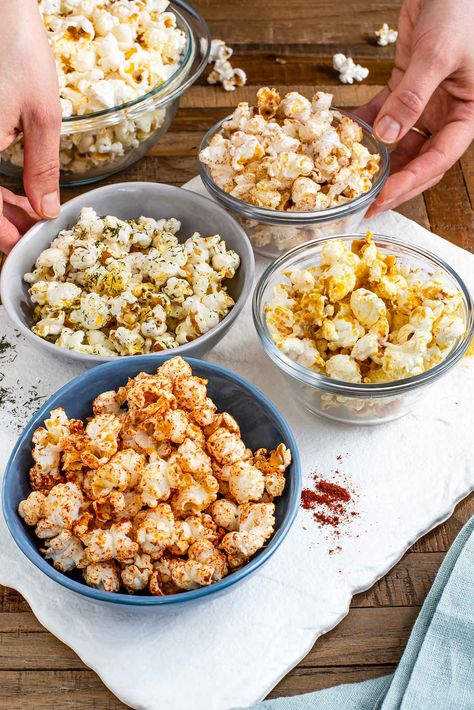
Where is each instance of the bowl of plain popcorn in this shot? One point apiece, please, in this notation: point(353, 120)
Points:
point(153, 481)
point(129, 269)
point(362, 325)
point(122, 67)
point(292, 169)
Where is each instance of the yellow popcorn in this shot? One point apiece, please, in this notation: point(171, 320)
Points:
point(360, 315)
point(290, 154)
point(128, 288)
point(157, 492)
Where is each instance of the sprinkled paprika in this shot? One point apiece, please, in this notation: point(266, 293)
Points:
point(328, 503)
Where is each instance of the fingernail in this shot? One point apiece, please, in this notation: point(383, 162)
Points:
point(388, 129)
point(50, 205)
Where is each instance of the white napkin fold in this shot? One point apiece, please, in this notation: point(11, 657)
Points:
point(230, 652)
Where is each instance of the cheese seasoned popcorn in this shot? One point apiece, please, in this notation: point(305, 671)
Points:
point(107, 53)
point(129, 287)
point(290, 154)
point(156, 493)
point(363, 316)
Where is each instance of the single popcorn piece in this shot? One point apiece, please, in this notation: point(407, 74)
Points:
point(65, 550)
point(102, 575)
point(290, 153)
point(108, 53)
point(129, 287)
point(385, 35)
point(223, 72)
point(348, 70)
point(362, 316)
point(156, 493)
point(115, 543)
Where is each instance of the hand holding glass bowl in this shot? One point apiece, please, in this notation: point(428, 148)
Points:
point(272, 232)
point(100, 143)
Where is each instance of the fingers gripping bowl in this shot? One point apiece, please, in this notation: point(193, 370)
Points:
point(366, 354)
point(122, 68)
point(261, 426)
point(131, 201)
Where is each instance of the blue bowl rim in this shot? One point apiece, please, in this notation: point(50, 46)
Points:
point(12, 518)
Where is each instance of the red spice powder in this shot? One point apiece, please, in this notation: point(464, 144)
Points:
point(328, 503)
point(332, 491)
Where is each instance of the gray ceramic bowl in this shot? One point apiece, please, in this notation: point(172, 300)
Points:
point(129, 200)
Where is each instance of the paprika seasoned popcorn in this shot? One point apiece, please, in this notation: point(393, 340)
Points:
point(290, 154)
point(156, 492)
point(363, 316)
point(112, 287)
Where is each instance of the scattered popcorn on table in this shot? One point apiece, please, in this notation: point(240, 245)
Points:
point(152, 494)
point(290, 154)
point(112, 287)
point(223, 72)
point(107, 53)
point(385, 35)
point(364, 316)
point(348, 70)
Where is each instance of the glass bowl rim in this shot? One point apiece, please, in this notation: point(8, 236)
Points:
point(294, 218)
point(168, 90)
point(363, 389)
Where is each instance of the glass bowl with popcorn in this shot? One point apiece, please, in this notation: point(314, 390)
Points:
point(292, 169)
point(122, 67)
point(152, 482)
point(361, 326)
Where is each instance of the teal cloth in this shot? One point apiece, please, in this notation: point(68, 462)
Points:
point(436, 671)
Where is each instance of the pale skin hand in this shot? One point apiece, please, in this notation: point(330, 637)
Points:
point(432, 87)
point(29, 100)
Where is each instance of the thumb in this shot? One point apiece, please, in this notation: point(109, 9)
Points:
point(406, 103)
point(41, 129)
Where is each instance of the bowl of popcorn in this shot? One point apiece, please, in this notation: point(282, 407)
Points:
point(292, 169)
point(129, 269)
point(153, 481)
point(122, 67)
point(362, 325)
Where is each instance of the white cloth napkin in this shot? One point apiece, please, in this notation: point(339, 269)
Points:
point(229, 653)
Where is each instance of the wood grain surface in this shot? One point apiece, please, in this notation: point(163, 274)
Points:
point(288, 44)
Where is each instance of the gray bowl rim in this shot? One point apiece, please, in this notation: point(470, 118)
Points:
point(15, 524)
point(79, 201)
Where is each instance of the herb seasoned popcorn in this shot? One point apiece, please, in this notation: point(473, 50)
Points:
point(290, 154)
point(362, 316)
point(157, 491)
point(107, 53)
point(111, 287)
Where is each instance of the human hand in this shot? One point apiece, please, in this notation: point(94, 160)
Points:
point(29, 97)
point(432, 86)
point(16, 217)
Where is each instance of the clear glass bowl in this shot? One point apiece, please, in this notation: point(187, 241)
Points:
point(136, 125)
point(274, 232)
point(345, 401)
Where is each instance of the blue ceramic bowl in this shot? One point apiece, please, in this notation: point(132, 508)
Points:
point(261, 425)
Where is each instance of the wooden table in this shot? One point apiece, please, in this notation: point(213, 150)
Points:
point(288, 44)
